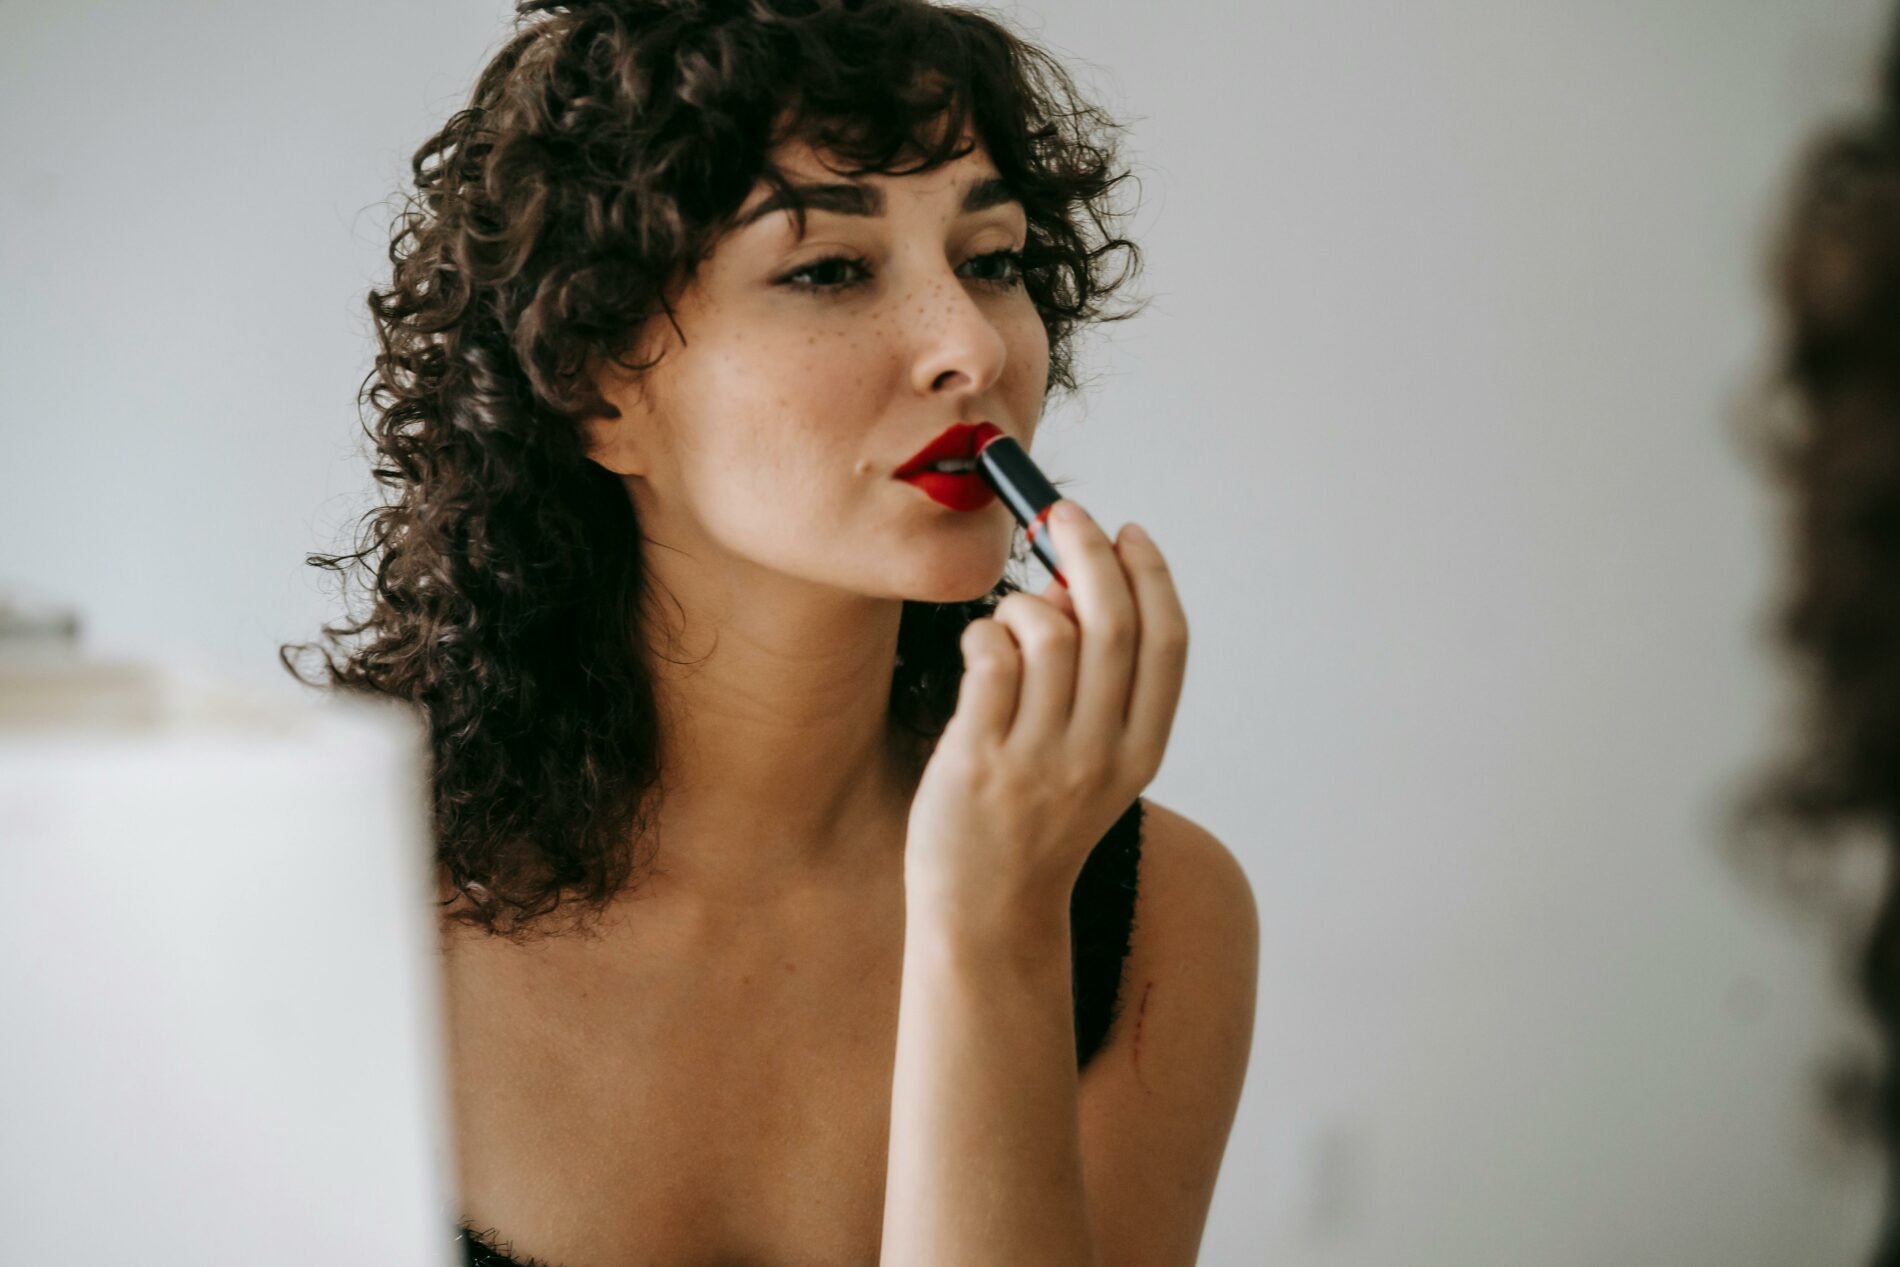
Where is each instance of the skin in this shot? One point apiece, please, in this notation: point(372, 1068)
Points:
point(758, 455)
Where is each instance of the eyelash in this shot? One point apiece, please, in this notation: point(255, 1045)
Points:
point(1013, 281)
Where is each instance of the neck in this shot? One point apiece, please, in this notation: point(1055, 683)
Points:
point(781, 768)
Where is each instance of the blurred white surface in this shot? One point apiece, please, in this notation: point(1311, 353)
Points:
point(218, 976)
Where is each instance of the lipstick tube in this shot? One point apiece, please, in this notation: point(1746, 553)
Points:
point(1006, 467)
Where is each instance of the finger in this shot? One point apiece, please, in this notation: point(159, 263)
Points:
point(1161, 662)
point(1047, 639)
point(986, 694)
point(1056, 594)
point(1109, 623)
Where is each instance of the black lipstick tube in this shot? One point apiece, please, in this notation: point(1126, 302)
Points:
point(1006, 467)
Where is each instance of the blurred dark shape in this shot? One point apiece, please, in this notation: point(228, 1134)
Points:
point(1822, 822)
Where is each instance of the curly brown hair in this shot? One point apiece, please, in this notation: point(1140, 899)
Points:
point(605, 149)
point(1830, 438)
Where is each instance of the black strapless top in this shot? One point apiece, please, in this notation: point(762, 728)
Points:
point(1101, 921)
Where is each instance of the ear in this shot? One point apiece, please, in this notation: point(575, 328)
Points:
point(614, 440)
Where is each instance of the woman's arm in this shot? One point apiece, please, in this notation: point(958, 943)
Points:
point(1062, 715)
point(985, 1159)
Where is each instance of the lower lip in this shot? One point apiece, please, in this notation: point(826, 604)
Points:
point(958, 492)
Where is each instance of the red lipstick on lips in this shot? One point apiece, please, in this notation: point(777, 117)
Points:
point(946, 469)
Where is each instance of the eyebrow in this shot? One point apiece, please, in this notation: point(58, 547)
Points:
point(868, 200)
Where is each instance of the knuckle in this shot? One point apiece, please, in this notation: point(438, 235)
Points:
point(1036, 624)
point(983, 649)
point(1053, 634)
point(990, 657)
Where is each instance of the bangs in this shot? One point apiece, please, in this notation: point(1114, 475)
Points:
point(930, 88)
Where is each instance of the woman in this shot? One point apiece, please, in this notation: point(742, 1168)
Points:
point(1835, 450)
point(788, 850)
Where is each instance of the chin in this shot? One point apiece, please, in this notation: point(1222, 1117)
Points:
point(958, 578)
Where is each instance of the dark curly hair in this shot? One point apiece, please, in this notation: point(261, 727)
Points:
point(1829, 434)
point(605, 149)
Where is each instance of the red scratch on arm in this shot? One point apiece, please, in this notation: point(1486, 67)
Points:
point(1134, 1048)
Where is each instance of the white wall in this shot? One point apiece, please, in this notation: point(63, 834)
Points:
point(1455, 299)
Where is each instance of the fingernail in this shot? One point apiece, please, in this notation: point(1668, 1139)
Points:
point(1069, 512)
point(1132, 532)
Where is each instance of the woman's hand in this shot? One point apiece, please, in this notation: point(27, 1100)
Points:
point(1061, 720)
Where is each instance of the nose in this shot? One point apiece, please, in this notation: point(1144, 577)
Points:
point(959, 348)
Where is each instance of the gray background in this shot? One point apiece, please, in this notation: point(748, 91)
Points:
point(1455, 302)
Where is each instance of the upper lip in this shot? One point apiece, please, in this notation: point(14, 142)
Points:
point(960, 440)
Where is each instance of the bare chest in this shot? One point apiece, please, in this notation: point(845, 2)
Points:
point(709, 1106)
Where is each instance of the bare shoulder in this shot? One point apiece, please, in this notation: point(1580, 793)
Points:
point(1160, 1098)
point(1193, 952)
point(1193, 891)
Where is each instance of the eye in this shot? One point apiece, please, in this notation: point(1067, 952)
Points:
point(1012, 277)
point(1014, 259)
point(826, 265)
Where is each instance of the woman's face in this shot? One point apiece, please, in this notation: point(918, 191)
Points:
point(769, 437)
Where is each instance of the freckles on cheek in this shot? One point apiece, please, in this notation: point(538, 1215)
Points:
point(1029, 359)
point(784, 403)
point(832, 374)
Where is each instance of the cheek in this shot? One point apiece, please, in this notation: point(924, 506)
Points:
point(778, 407)
point(821, 377)
point(1028, 353)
